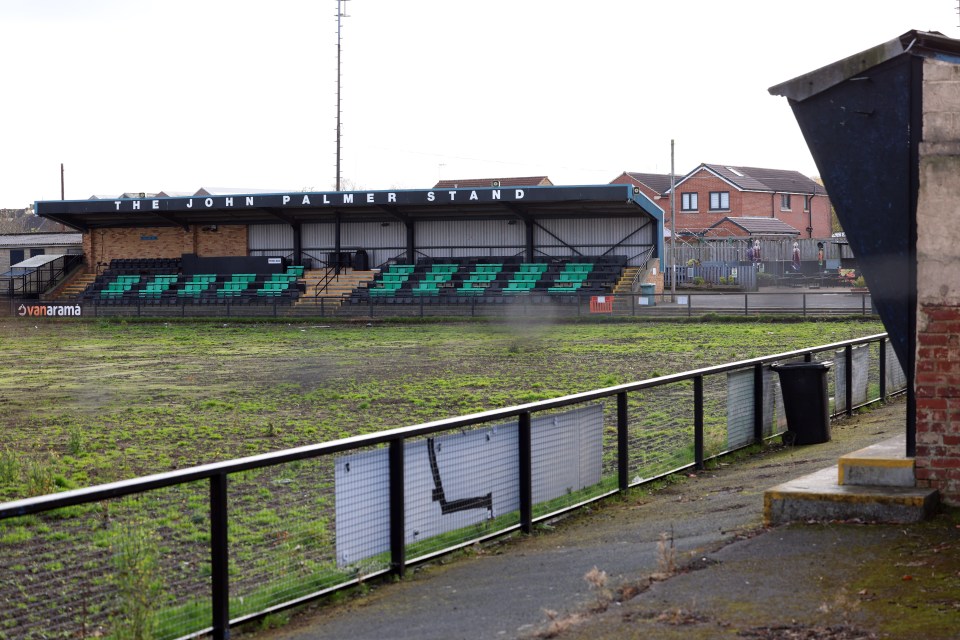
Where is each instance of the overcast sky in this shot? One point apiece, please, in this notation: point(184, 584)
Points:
point(150, 95)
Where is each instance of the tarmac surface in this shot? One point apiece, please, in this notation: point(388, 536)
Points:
point(690, 559)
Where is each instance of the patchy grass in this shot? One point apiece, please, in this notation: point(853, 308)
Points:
point(89, 402)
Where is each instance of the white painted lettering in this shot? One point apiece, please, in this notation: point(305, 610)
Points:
point(495, 194)
point(430, 196)
point(473, 195)
point(391, 197)
point(228, 202)
point(155, 204)
point(249, 201)
point(519, 194)
point(117, 202)
point(348, 198)
point(208, 202)
point(286, 199)
point(136, 205)
point(189, 204)
point(452, 194)
point(326, 199)
point(370, 198)
point(306, 200)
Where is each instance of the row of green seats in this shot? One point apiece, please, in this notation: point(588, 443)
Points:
point(479, 279)
point(391, 280)
point(526, 278)
point(434, 279)
point(116, 287)
point(159, 284)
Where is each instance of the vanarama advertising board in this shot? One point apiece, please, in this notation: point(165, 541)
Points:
point(49, 310)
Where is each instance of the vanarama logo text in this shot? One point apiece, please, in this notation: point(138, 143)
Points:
point(49, 310)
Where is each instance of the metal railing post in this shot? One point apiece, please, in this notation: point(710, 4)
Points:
point(746, 303)
point(525, 478)
point(883, 370)
point(398, 546)
point(758, 403)
point(848, 377)
point(219, 558)
point(623, 442)
point(698, 421)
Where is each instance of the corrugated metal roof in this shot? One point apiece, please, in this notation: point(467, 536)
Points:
point(40, 239)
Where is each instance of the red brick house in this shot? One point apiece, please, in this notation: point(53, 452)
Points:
point(711, 194)
point(655, 186)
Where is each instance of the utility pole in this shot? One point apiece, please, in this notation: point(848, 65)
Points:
point(62, 192)
point(673, 228)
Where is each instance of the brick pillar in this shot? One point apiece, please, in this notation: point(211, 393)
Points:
point(937, 381)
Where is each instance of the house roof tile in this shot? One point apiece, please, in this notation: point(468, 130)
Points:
point(760, 226)
point(759, 179)
point(659, 182)
point(530, 181)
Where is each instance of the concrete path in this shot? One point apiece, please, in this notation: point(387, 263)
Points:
point(522, 586)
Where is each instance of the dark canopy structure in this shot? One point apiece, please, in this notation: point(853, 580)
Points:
point(531, 206)
point(862, 118)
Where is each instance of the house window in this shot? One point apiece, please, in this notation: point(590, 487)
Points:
point(806, 203)
point(784, 202)
point(688, 202)
point(719, 200)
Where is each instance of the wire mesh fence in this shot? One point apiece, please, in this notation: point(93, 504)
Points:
point(193, 551)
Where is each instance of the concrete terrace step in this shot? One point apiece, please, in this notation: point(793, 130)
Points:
point(624, 285)
point(340, 287)
point(819, 497)
point(884, 464)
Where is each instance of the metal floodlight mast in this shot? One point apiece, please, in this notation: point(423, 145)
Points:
point(341, 7)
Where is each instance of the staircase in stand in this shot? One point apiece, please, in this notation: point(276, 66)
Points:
point(624, 286)
point(338, 289)
point(73, 287)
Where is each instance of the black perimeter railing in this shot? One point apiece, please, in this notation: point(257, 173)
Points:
point(710, 398)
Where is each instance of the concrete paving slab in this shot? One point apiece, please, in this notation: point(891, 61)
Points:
point(884, 464)
point(818, 497)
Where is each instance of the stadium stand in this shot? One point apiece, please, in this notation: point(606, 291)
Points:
point(456, 280)
point(159, 281)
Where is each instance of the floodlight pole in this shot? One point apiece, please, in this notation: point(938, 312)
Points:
point(341, 4)
point(673, 229)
